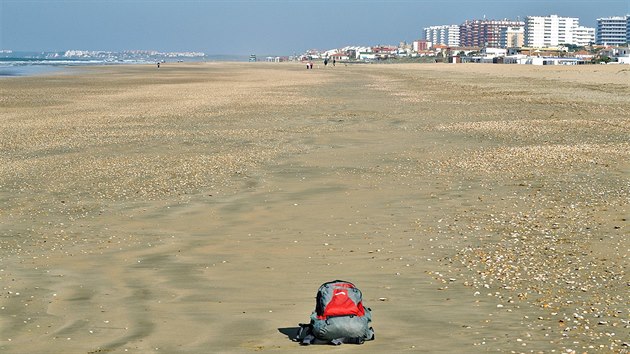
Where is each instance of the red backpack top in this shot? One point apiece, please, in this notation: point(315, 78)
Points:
point(339, 298)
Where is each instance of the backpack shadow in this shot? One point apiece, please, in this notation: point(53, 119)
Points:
point(290, 332)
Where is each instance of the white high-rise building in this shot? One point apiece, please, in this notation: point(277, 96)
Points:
point(550, 31)
point(613, 30)
point(446, 34)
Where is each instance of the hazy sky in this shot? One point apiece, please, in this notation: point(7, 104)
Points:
point(256, 26)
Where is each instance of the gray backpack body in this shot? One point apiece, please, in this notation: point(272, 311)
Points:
point(339, 316)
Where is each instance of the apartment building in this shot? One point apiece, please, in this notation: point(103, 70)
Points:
point(484, 33)
point(421, 45)
point(613, 30)
point(445, 34)
point(583, 36)
point(512, 37)
point(550, 31)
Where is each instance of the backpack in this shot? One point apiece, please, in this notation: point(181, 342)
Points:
point(339, 316)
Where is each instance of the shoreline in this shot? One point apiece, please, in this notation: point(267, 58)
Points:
point(55, 67)
point(42, 69)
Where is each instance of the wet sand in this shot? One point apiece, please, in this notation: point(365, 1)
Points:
point(197, 208)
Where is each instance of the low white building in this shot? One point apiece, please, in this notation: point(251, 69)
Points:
point(362, 53)
point(583, 36)
point(623, 55)
point(516, 59)
point(620, 55)
point(554, 61)
point(494, 52)
point(366, 56)
point(339, 56)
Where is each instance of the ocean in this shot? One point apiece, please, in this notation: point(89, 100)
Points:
point(14, 64)
point(20, 66)
point(11, 66)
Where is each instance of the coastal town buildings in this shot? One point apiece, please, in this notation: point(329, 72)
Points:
point(539, 40)
point(127, 55)
point(613, 30)
point(445, 34)
point(385, 51)
point(404, 49)
point(484, 33)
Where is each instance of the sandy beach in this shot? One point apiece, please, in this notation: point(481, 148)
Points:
point(196, 208)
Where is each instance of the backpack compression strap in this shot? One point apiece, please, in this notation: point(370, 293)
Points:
point(305, 335)
point(340, 341)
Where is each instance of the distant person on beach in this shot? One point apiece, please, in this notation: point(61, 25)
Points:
point(334, 61)
point(158, 63)
point(326, 62)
